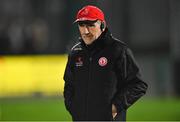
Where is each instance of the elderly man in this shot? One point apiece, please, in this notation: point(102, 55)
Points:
point(101, 78)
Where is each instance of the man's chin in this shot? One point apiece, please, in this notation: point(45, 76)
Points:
point(87, 42)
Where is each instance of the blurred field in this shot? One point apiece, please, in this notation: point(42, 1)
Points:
point(33, 109)
point(53, 109)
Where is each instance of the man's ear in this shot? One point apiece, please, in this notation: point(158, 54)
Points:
point(102, 26)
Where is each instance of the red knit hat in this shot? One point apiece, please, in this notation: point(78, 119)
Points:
point(90, 13)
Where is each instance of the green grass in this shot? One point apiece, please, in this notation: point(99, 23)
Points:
point(155, 109)
point(51, 109)
point(33, 109)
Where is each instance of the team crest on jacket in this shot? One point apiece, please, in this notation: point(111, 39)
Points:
point(102, 61)
point(79, 61)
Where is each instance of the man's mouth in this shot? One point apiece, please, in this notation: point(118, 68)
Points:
point(87, 36)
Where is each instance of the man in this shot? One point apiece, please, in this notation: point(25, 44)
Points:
point(101, 78)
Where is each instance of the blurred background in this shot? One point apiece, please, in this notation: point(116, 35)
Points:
point(36, 35)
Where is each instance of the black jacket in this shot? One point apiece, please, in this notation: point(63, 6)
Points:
point(99, 75)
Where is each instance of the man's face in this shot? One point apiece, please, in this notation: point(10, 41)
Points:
point(89, 30)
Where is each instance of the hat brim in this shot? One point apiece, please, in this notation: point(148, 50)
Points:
point(84, 19)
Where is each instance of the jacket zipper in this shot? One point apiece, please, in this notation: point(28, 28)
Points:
point(89, 80)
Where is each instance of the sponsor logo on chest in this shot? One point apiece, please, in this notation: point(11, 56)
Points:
point(79, 62)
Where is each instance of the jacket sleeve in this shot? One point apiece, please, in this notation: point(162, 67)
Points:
point(130, 86)
point(68, 86)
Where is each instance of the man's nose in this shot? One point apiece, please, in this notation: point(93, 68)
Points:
point(86, 30)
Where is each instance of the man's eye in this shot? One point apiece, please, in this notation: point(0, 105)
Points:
point(87, 25)
point(80, 24)
point(91, 25)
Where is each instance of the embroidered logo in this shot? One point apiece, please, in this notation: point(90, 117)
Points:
point(85, 12)
point(102, 61)
point(79, 61)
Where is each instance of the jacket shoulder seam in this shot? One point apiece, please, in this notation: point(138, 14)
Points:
point(76, 46)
